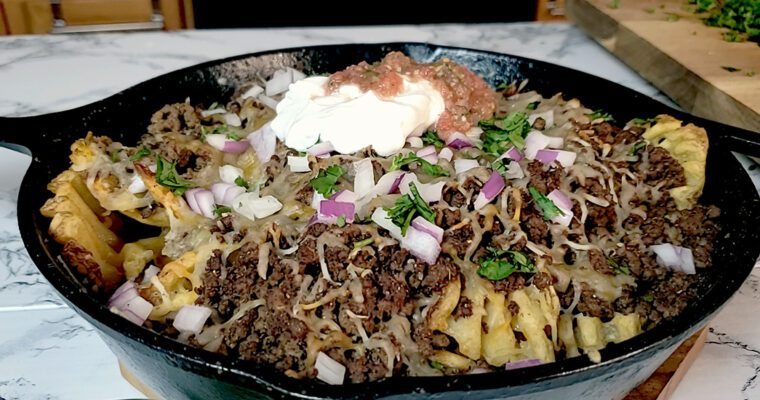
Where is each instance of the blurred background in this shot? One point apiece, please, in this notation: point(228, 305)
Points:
point(70, 16)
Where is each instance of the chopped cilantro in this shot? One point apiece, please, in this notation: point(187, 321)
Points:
point(217, 129)
point(642, 121)
point(750, 73)
point(650, 10)
point(436, 365)
point(166, 175)
point(730, 68)
point(500, 264)
point(637, 147)
point(242, 183)
point(407, 207)
point(741, 17)
point(597, 114)
point(341, 221)
point(326, 179)
point(362, 243)
point(428, 168)
point(672, 17)
point(619, 268)
point(547, 207)
point(648, 298)
point(233, 136)
point(614, 4)
point(143, 152)
point(497, 140)
point(213, 105)
point(221, 210)
point(532, 106)
point(431, 137)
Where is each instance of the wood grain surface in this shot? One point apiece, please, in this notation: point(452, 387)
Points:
point(670, 46)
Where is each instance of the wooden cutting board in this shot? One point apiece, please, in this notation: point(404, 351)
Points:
point(659, 386)
point(671, 47)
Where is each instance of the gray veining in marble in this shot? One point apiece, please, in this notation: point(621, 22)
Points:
point(48, 352)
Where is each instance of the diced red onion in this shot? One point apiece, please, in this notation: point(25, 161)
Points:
point(463, 165)
point(532, 362)
point(126, 301)
point(191, 318)
point(493, 186)
point(430, 192)
point(329, 370)
point(264, 142)
point(232, 119)
point(298, 164)
point(566, 158)
point(414, 142)
point(675, 257)
point(124, 293)
point(268, 101)
point(229, 173)
point(364, 177)
point(560, 199)
point(536, 141)
point(321, 149)
point(514, 171)
point(458, 141)
point(251, 206)
point(222, 143)
point(446, 154)
point(547, 116)
point(254, 92)
point(208, 113)
point(513, 154)
point(345, 196)
point(225, 193)
point(381, 218)
point(546, 156)
point(279, 82)
point(421, 244)
point(333, 208)
point(428, 154)
point(564, 204)
point(428, 227)
point(137, 185)
point(201, 201)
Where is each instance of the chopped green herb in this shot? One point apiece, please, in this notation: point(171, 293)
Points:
point(217, 129)
point(213, 106)
point(166, 175)
point(648, 298)
point(642, 121)
point(436, 365)
point(650, 10)
point(750, 73)
point(362, 243)
point(547, 207)
point(672, 17)
point(532, 106)
point(341, 221)
point(500, 264)
point(619, 268)
point(499, 166)
point(597, 114)
point(326, 179)
point(143, 152)
point(730, 68)
point(428, 168)
point(242, 183)
point(114, 155)
point(614, 4)
point(741, 17)
point(233, 136)
point(497, 139)
point(221, 210)
point(407, 207)
point(431, 137)
point(637, 147)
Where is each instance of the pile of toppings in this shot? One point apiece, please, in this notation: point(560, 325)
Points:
point(512, 231)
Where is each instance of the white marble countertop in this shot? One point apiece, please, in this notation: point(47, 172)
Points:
point(48, 352)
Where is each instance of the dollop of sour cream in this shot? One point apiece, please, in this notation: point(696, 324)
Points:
point(351, 119)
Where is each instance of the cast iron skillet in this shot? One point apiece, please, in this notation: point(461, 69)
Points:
point(175, 370)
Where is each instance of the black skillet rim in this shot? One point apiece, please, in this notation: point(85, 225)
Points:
point(212, 364)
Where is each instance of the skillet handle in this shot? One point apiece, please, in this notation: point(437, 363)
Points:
point(18, 134)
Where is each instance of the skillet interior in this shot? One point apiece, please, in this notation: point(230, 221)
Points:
point(124, 117)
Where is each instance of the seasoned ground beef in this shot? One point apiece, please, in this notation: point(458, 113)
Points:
point(590, 304)
point(176, 118)
point(663, 168)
